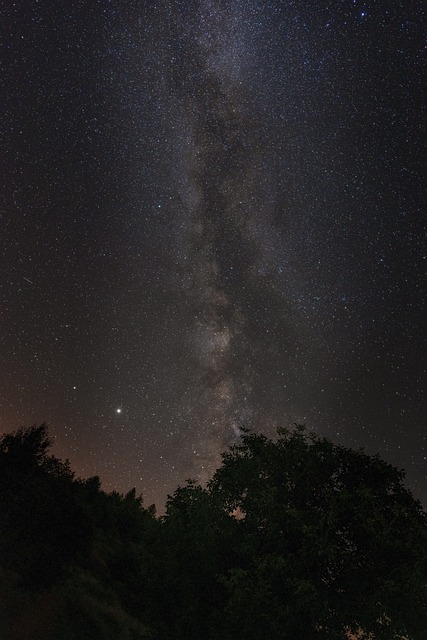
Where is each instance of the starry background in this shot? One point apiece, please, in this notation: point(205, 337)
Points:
point(211, 217)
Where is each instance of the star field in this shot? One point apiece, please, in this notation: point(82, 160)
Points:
point(212, 217)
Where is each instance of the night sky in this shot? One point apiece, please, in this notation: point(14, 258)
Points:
point(211, 217)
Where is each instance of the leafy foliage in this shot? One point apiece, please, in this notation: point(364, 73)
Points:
point(293, 538)
point(332, 540)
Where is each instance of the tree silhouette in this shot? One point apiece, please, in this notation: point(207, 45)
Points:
point(292, 538)
point(331, 541)
point(43, 524)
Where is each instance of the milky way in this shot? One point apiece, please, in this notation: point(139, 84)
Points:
point(224, 189)
point(212, 220)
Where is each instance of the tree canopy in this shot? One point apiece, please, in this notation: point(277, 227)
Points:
point(331, 540)
point(295, 537)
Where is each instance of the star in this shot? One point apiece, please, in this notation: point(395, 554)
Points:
point(239, 231)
